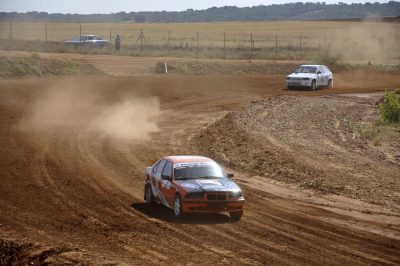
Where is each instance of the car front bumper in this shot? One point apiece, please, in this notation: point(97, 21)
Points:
point(213, 206)
point(298, 83)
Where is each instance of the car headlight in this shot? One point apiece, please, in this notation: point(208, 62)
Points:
point(288, 78)
point(235, 194)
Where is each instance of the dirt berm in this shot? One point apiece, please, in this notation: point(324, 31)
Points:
point(317, 142)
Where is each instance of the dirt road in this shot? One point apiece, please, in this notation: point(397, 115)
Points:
point(71, 194)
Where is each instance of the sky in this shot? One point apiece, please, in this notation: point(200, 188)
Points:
point(115, 6)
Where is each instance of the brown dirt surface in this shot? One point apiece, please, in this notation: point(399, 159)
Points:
point(316, 142)
point(71, 190)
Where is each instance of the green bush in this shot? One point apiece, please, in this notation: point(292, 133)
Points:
point(390, 108)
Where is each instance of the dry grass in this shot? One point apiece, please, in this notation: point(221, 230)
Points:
point(348, 39)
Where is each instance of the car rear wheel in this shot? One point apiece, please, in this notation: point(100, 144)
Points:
point(148, 195)
point(236, 215)
point(178, 207)
point(313, 85)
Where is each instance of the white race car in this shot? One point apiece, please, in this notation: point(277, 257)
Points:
point(311, 76)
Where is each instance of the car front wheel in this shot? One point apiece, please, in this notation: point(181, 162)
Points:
point(178, 207)
point(236, 215)
point(313, 85)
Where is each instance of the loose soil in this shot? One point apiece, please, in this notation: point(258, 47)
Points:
point(315, 142)
point(75, 196)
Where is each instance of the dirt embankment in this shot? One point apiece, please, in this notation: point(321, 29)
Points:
point(316, 142)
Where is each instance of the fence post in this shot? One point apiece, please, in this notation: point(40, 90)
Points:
point(46, 35)
point(80, 37)
point(276, 45)
point(141, 40)
point(169, 39)
point(300, 45)
point(11, 35)
point(197, 42)
point(325, 44)
point(251, 46)
point(224, 44)
point(109, 45)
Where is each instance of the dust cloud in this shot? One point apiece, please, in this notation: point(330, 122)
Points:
point(68, 108)
point(367, 41)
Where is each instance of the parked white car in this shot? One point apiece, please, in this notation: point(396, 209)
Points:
point(311, 76)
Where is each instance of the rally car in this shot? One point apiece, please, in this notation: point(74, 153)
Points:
point(190, 184)
point(311, 76)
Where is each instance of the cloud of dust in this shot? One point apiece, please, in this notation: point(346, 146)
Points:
point(368, 41)
point(66, 109)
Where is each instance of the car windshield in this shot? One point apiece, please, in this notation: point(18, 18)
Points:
point(202, 170)
point(306, 69)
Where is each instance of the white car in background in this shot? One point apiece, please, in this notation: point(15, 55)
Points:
point(310, 76)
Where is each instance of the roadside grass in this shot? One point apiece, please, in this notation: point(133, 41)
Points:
point(379, 132)
point(34, 65)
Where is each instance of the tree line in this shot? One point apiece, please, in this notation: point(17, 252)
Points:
point(291, 11)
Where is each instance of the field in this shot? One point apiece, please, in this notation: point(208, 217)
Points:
point(349, 40)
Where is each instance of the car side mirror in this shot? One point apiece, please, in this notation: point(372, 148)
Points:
point(319, 72)
point(230, 175)
point(165, 177)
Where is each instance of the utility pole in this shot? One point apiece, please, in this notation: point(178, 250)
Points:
point(141, 38)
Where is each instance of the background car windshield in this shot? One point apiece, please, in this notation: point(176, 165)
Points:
point(306, 69)
point(198, 172)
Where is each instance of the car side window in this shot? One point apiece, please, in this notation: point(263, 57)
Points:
point(155, 167)
point(167, 169)
point(320, 69)
point(160, 168)
point(326, 69)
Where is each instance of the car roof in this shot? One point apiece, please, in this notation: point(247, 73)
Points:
point(187, 159)
point(312, 65)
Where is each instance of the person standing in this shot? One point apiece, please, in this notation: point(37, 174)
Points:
point(117, 44)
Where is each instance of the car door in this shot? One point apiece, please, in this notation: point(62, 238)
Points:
point(328, 74)
point(165, 184)
point(158, 182)
point(320, 76)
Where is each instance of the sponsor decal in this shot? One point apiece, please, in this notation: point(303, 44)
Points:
point(194, 164)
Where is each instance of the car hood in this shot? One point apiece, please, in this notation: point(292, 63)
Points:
point(302, 75)
point(208, 185)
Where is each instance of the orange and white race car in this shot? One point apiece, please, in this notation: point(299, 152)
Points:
point(192, 184)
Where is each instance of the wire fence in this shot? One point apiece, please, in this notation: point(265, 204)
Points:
point(178, 42)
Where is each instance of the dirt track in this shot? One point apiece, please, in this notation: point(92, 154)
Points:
point(75, 195)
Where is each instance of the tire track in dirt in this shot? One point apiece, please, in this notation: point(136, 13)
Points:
point(94, 190)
